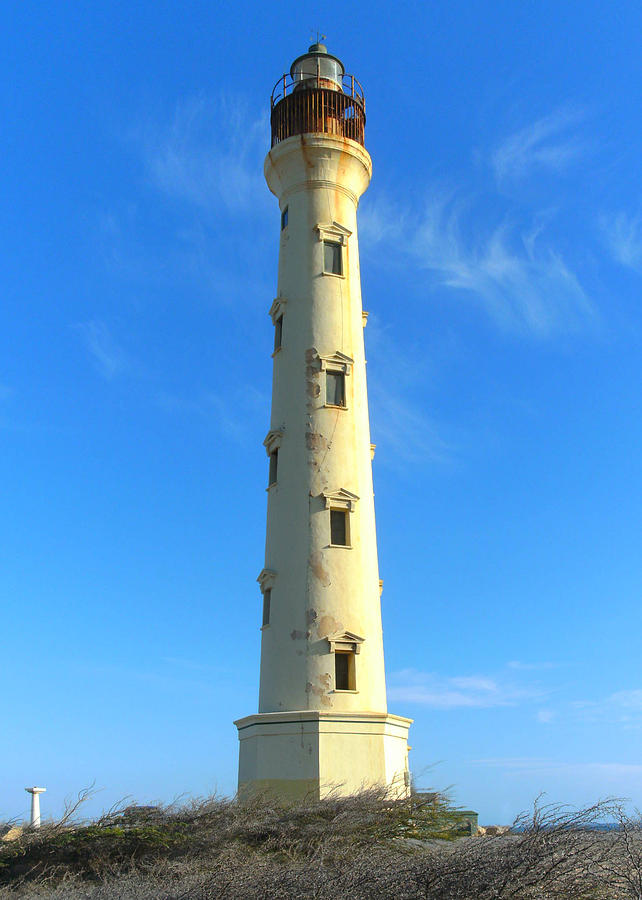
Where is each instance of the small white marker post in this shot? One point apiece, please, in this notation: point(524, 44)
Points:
point(35, 805)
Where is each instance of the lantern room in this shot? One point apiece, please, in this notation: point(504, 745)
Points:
point(317, 97)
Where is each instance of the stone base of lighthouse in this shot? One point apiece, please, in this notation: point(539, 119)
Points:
point(316, 753)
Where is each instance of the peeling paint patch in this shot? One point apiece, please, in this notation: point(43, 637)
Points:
point(329, 625)
point(311, 616)
point(299, 635)
point(316, 567)
point(315, 441)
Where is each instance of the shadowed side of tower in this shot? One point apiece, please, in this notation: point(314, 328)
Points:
point(322, 723)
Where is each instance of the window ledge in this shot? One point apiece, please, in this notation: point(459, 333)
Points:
point(341, 546)
point(263, 627)
point(333, 406)
point(273, 485)
point(344, 691)
point(333, 274)
point(278, 350)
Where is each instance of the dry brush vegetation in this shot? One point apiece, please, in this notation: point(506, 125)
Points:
point(353, 847)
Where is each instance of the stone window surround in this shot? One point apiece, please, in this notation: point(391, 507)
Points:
point(266, 580)
point(271, 443)
point(336, 362)
point(349, 643)
point(277, 311)
point(336, 234)
point(342, 500)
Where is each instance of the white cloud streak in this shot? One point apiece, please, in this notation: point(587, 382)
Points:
point(476, 691)
point(540, 766)
point(531, 666)
point(234, 415)
point(623, 236)
point(211, 155)
point(621, 707)
point(523, 284)
point(543, 144)
point(108, 357)
point(401, 428)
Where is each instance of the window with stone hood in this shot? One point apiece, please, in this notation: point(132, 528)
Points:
point(332, 258)
point(267, 600)
point(274, 465)
point(339, 530)
point(335, 389)
point(344, 671)
point(278, 332)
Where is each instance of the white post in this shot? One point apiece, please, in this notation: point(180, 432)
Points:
point(35, 804)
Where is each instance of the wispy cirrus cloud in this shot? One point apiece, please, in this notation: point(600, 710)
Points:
point(234, 415)
point(476, 691)
point(548, 143)
point(522, 282)
point(481, 244)
point(543, 766)
point(380, 219)
point(622, 234)
point(403, 431)
point(108, 357)
point(621, 707)
point(521, 666)
point(211, 154)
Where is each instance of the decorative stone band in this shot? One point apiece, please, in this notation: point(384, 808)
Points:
point(312, 161)
point(327, 720)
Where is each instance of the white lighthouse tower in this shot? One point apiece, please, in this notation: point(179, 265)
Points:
point(323, 724)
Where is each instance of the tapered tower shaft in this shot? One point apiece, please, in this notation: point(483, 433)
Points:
point(323, 721)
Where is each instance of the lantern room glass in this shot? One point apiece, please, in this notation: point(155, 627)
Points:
point(305, 69)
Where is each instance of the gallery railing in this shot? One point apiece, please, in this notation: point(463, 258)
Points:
point(318, 106)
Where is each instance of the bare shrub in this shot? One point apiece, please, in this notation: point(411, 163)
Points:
point(342, 847)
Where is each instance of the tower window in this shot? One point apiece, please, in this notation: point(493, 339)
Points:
point(274, 465)
point(284, 218)
point(267, 599)
point(339, 527)
point(332, 258)
point(335, 389)
point(278, 333)
point(344, 674)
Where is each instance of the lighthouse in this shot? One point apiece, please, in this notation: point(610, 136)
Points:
point(322, 725)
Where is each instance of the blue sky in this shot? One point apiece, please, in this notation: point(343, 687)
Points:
point(501, 244)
